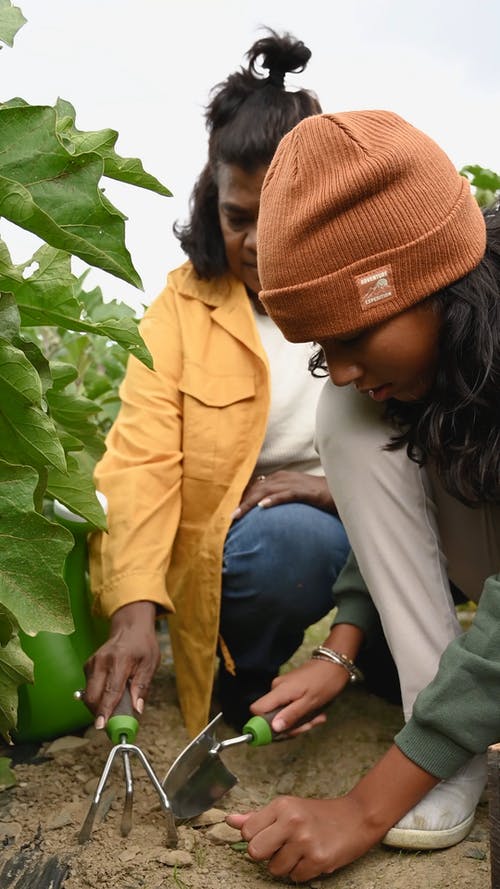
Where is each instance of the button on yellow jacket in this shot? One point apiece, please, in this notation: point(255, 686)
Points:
point(178, 457)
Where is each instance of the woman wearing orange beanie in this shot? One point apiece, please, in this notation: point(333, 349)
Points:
point(371, 244)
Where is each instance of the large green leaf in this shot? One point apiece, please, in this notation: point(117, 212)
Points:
point(11, 20)
point(36, 357)
point(32, 555)
point(102, 142)
point(46, 190)
point(27, 433)
point(16, 668)
point(52, 296)
point(62, 374)
point(76, 490)
point(18, 377)
point(75, 416)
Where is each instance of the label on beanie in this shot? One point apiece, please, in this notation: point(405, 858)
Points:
point(375, 286)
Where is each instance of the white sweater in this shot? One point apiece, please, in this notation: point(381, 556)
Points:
point(288, 443)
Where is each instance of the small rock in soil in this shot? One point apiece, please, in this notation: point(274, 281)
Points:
point(211, 816)
point(187, 838)
point(68, 743)
point(175, 858)
point(480, 854)
point(130, 853)
point(221, 834)
point(58, 820)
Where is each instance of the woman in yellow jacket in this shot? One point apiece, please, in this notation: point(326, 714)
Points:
point(218, 510)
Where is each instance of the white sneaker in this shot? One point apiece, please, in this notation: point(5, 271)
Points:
point(446, 814)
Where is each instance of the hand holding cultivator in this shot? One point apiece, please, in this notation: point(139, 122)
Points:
point(122, 729)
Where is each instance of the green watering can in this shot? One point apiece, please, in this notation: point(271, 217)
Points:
point(47, 708)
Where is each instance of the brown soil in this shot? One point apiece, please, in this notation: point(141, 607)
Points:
point(42, 815)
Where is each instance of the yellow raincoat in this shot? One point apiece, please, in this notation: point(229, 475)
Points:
point(178, 458)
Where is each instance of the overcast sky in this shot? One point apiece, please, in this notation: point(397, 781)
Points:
point(145, 68)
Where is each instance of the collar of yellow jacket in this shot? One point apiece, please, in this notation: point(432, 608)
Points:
point(214, 292)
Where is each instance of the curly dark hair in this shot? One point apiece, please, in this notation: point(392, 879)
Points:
point(246, 118)
point(457, 425)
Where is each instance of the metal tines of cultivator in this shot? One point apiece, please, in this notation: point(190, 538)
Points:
point(122, 728)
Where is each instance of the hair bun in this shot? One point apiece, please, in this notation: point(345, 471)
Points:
point(279, 54)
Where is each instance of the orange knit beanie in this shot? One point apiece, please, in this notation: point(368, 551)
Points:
point(361, 216)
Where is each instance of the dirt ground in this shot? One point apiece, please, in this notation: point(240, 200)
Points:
point(41, 816)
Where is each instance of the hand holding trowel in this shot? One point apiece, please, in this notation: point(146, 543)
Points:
point(198, 777)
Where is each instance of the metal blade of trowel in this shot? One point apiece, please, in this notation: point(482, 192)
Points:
point(198, 777)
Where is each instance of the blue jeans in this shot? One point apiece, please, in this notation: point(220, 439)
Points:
point(278, 571)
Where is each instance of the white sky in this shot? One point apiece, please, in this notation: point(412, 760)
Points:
point(145, 68)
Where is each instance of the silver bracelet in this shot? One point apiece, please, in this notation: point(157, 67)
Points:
point(322, 653)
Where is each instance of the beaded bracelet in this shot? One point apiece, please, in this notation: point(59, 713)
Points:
point(322, 653)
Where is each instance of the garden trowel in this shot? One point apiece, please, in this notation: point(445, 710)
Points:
point(198, 777)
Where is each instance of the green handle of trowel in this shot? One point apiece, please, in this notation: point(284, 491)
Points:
point(260, 729)
point(122, 722)
point(262, 733)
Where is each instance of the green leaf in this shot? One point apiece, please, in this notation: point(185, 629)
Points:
point(110, 408)
point(8, 625)
point(18, 377)
point(32, 555)
point(75, 415)
point(7, 776)
point(69, 442)
point(97, 384)
point(46, 190)
point(27, 433)
point(11, 20)
point(484, 197)
point(62, 374)
point(48, 297)
point(481, 178)
point(16, 668)
point(36, 357)
point(76, 490)
point(10, 275)
point(102, 142)
point(96, 308)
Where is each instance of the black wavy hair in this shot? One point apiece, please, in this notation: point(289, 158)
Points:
point(246, 118)
point(457, 425)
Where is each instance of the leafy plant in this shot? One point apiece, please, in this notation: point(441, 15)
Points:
point(62, 354)
point(486, 184)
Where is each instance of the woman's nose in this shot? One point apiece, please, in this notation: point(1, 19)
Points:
point(251, 238)
point(342, 369)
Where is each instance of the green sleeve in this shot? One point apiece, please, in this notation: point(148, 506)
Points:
point(353, 601)
point(458, 714)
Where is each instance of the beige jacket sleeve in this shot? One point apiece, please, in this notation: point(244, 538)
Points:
point(141, 473)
